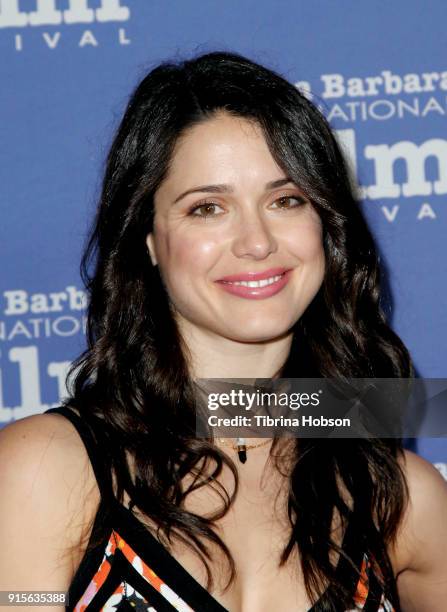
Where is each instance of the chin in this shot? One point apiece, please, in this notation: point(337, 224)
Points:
point(258, 333)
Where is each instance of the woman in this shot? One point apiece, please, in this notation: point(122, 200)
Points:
point(228, 244)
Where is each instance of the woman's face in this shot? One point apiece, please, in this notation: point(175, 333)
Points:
point(238, 246)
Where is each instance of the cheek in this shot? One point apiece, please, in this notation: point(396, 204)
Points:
point(306, 242)
point(185, 252)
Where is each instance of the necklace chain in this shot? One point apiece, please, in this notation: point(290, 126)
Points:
point(226, 442)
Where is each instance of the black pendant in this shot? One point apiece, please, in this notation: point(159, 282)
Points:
point(242, 452)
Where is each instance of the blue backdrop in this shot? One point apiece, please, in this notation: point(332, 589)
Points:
point(376, 69)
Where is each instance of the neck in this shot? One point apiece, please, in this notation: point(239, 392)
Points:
point(213, 356)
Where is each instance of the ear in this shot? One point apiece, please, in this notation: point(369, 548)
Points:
point(151, 248)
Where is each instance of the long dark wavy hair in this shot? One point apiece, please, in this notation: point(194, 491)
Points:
point(135, 375)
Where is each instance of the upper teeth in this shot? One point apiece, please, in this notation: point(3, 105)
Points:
point(260, 283)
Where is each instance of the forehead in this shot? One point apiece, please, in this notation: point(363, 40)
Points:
point(223, 148)
point(221, 123)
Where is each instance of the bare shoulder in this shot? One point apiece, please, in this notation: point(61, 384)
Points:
point(48, 495)
point(422, 541)
point(427, 496)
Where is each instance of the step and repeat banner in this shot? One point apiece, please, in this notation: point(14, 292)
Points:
point(377, 70)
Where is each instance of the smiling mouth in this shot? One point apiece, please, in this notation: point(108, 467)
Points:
point(260, 283)
point(258, 289)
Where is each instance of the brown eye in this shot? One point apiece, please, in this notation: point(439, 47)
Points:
point(286, 202)
point(207, 209)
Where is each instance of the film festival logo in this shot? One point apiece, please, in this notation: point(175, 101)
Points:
point(389, 96)
point(379, 97)
point(31, 322)
point(51, 13)
point(386, 186)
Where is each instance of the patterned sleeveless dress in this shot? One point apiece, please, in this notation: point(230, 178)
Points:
point(131, 570)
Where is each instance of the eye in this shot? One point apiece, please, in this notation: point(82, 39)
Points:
point(206, 209)
point(286, 202)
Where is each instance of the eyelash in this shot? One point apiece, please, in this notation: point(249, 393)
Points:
point(200, 205)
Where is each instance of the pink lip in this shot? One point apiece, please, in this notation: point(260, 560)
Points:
point(257, 293)
point(252, 276)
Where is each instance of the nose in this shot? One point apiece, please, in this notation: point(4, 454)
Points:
point(253, 237)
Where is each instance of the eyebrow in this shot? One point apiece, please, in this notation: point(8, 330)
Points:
point(229, 189)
